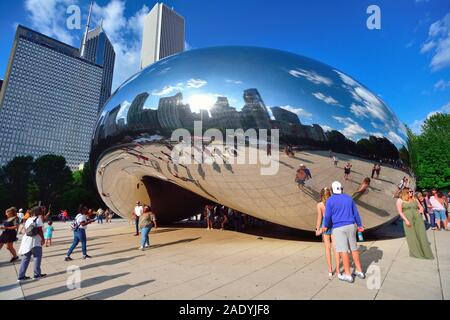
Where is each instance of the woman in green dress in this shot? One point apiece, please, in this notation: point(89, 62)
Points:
point(408, 207)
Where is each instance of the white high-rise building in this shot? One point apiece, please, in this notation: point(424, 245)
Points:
point(163, 34)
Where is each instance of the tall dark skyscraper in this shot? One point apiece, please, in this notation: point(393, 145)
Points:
point(99, 50)
point(281, 114)
point(254, 113)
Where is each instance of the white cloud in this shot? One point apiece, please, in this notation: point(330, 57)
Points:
point(234, 81)
point(301, 113)
point(326, 128)
point(324, 98)
point(395, 138)
point(427, 46)
point(125, 35)
point(377, 134)
point(164, 91)
point(311, 76)
point(196, 83)
point(438, 43)
point(441, 85)
point(352, 129)
point(181, 86)
point(49, 17)
point(358, 111)
point(416, 125)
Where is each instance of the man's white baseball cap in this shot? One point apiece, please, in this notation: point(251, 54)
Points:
point(336, 187)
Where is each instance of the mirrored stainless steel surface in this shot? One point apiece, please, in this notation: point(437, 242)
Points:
point(315, 107)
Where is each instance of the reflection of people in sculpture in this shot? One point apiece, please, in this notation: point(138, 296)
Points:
point(303, 174)
point(347, 170)
point(378, 169)
point(365, 184)
point(335, 161)
point(374, 169)
point(404, 183)
point(288, 151)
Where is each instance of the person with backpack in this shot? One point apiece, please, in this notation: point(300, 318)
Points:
point(79, 226)
point(31, 245)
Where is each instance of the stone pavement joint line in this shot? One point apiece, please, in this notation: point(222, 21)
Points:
point(194, 263)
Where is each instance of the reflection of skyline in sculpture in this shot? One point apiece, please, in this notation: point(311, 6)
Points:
point(315, 107)
point(173, 113)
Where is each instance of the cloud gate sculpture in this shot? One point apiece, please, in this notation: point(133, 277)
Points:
point(233, 126)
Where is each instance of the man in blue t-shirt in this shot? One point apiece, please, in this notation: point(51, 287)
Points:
point(342, 216)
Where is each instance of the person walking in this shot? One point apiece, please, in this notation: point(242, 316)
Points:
point(31, 245)
point(378, 170)
point(9, 234)
point(408, 208)
point(145, 225)
point(138, 210)
point(209, 216)
point(327, 237)
point(374, 169)
point(100, 215)
point(347, 170)
point(430, 211)
point(343, 217)
point(335, 161)
point(438, 210)
point(79, 227)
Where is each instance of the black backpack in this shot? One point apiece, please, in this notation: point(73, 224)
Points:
point(32, 230)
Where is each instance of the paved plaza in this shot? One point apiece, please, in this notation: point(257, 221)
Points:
point(194, 263)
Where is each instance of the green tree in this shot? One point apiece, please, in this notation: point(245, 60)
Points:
point(15, 177)
point(430, 153)
point(52, 177)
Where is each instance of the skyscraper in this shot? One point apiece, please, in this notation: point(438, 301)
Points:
point(163, 36)
point(49, 101)
point(99, 50)
point(281, 114)
point(254, 114)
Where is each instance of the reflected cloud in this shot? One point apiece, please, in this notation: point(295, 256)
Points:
point(352, 129)
point(311, 76)
point(196, 83)
point(324, 98)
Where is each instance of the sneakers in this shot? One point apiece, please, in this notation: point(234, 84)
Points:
point(43, 275)
point(86, 257)
point(344, 277)
point(360, 275)
point(14, 259)
point(141, 248)
point(147, 246)
point(23, 279)
point(68, 259)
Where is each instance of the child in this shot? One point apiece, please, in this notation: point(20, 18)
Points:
point(49, 234)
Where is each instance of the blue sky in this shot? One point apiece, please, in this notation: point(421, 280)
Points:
point(407, 62)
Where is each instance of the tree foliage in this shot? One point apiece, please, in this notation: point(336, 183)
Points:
point(25, 182)
point(430, 153)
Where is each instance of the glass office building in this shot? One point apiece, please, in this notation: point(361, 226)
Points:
point(99, 50)
point(49, 101)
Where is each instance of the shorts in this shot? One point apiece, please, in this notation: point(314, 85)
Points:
point(347, 171)
point(439, 215)
point(300, 181)
point(345, 238)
